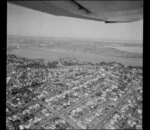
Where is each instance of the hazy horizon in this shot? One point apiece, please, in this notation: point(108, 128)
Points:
point(78, 38)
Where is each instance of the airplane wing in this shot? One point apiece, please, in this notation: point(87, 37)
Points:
point(108, 11)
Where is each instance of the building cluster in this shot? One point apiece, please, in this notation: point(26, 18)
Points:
point(68, 94)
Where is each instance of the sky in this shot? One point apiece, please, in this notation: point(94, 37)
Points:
point(25, 21)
